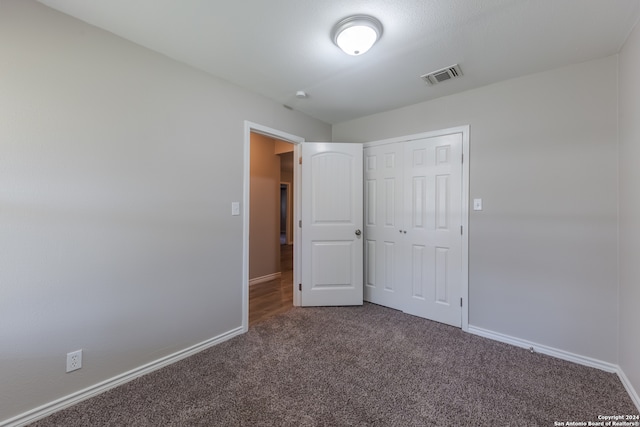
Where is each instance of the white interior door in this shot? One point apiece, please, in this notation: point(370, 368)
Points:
point(413, 216)
point(433, 221)
point(383, 231)
point(331, 212)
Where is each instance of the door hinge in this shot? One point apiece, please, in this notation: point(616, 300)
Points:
point(460, 302)
point(461, 233)
point(462, 158)
point(299, 286)
point(300, 160)
point(300, 223)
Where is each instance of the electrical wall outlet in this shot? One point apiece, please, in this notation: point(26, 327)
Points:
point(74, 360)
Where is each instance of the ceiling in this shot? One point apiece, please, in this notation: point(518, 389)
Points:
point(278, 47)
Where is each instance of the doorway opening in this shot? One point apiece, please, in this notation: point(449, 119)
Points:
point(270, 194)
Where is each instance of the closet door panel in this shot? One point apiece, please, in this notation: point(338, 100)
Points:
point(433, 171)
point(383, 176)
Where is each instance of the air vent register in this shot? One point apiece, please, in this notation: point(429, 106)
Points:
point(442, 75)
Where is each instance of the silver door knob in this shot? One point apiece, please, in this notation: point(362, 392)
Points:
point(358, 232)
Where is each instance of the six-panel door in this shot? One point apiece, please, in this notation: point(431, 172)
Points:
point(413, 217)
point(383, 219)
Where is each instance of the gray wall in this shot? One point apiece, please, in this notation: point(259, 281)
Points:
point(630, 209)
point(118, 167)
point(542, 253)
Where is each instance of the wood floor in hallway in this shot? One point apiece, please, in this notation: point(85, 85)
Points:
point(276, 296)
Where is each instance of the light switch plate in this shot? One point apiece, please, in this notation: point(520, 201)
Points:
point(235, 208)
point(477, 204)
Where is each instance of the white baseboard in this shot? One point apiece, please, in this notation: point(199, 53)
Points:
point(267, 278)
point(550, 351)
point(70, 400)
point(564, 355)
point(627, 384)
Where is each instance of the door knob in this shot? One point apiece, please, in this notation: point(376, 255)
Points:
point(358, 232)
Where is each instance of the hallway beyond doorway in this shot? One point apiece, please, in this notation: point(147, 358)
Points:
point(276, 296)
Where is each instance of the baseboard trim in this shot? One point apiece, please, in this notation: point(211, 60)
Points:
point(70, 400)
point(627, 384)
point(64, 402)
point(543, 349)
point(564, 355)
point(267, 278)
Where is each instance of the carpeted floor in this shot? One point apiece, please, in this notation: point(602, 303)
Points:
point(357, 366)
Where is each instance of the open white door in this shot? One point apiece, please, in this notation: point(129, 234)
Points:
point(331, 212)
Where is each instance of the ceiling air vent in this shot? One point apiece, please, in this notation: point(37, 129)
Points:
point(442, 75)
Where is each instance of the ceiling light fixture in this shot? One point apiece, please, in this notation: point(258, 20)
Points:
point(356, 34)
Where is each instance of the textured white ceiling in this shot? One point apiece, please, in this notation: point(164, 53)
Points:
point(280, 46)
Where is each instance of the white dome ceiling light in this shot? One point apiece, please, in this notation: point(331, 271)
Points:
point(356, 34)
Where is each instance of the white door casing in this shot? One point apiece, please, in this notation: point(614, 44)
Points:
point(331, 213)
point(250, 127)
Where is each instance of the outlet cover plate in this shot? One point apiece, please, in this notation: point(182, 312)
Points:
point(74, 360)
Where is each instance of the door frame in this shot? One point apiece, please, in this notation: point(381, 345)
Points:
point(464, 130)
point(250, 127)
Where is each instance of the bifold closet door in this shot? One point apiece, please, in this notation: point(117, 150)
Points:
point(413, 218)
point(383, 192)
point(433, 220)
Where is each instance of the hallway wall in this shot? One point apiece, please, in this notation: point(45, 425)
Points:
point(264, 225)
